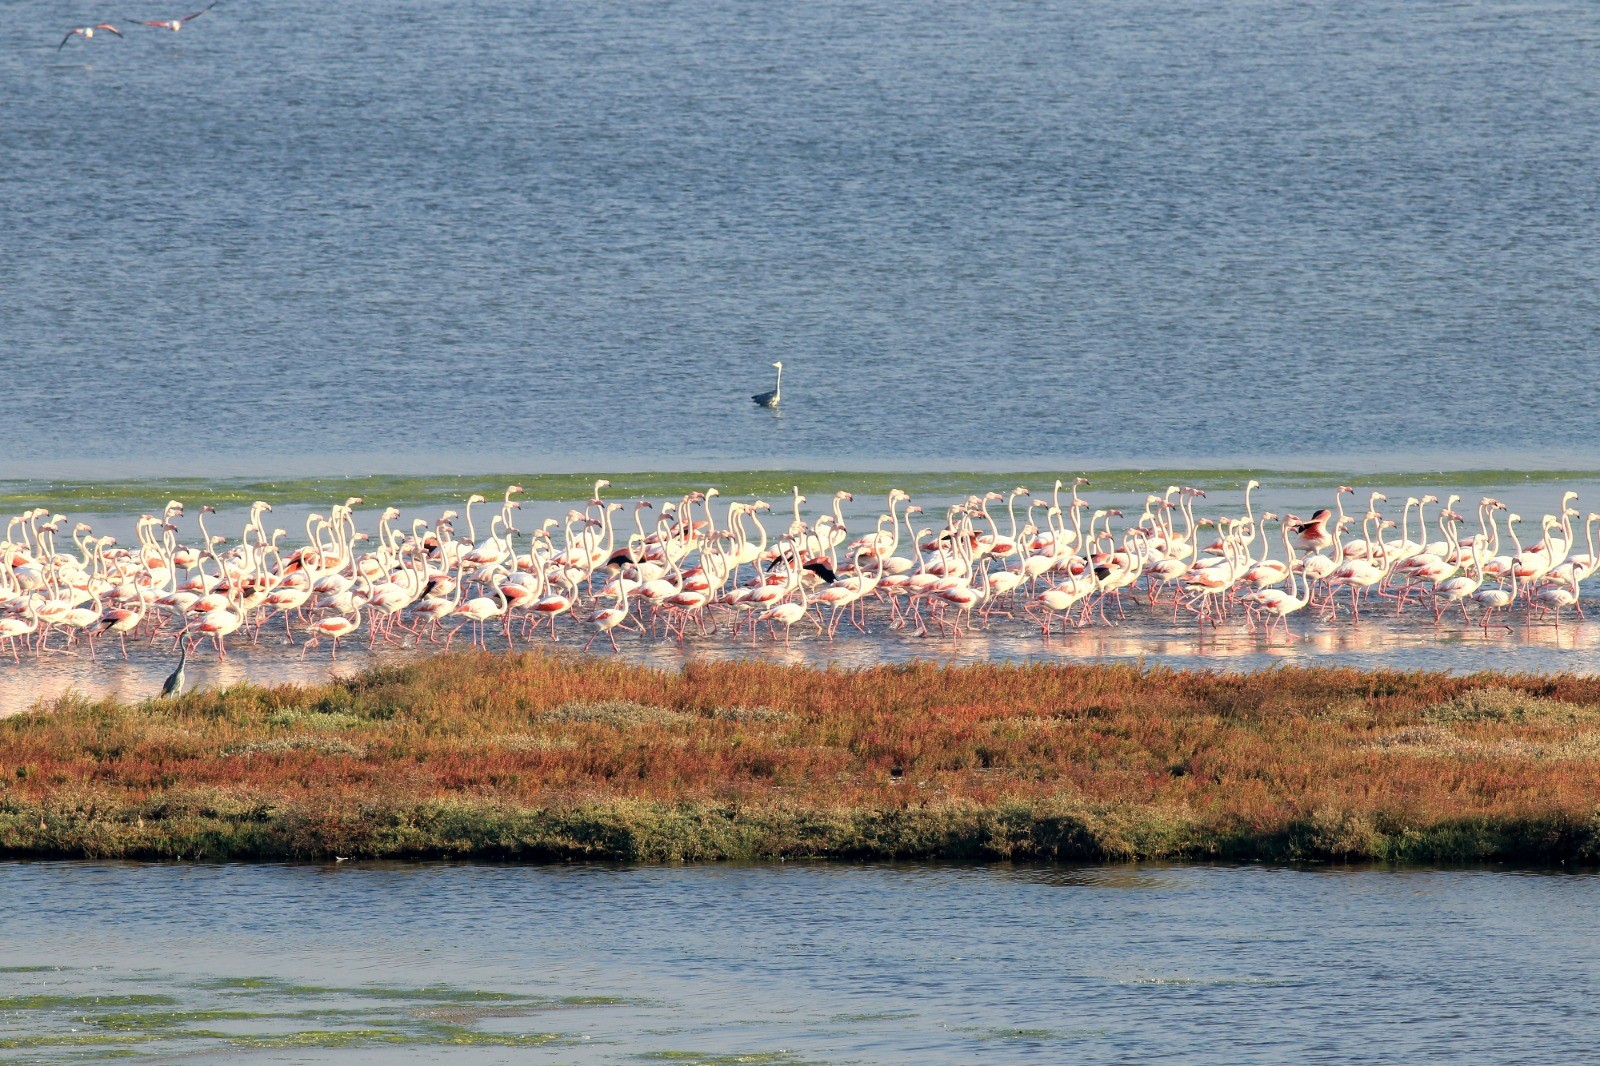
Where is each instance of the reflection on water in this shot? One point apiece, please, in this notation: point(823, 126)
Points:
point(795, 963)
point(1146, 635)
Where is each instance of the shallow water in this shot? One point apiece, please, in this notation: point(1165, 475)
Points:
point(795, 964)
point(1146, 636)
point(1143, 634)
point(344, 238)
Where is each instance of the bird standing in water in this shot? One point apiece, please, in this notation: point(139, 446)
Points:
point(770, 399)
point(173, 687)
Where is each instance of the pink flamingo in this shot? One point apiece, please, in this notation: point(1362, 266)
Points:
point(87, 33)
point(177, 24)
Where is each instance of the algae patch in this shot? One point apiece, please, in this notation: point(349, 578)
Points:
point(48, 1001)
point(698, 1058)
point(290, 1015)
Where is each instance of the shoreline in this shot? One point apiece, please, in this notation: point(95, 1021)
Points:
point(655, 835)
point(125, 494)
point(544, 758)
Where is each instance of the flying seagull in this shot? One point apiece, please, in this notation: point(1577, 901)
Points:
point(177, 24)
point(770, 399)
point(87, 32)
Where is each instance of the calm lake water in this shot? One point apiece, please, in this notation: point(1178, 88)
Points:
point(795, 964)
point(358, 236)
point(343, 238)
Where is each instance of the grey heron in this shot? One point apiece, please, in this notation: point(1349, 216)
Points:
point(173, 686)
point(770, 399)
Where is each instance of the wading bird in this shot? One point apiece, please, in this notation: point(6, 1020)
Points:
point(172, 687)
point(771, 399)
point(697, 569)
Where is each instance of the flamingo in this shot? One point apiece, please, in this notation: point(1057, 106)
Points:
point(607, 620)
point(177, 24)
point(1457, 589)
point(1363, 571)
point(1313, 535)
point(87, 33)
point(1277, 602)
point(687, 569)
point(477, 611)
point(1499, 597)
point(121, 621)
point(787, 612)
point(334, 627)
point(1554, 597)
point(13, 630)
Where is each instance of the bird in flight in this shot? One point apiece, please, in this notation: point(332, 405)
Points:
point(177, 24)
point(87, 32)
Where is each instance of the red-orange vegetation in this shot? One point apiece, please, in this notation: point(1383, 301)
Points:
point(1148, 762)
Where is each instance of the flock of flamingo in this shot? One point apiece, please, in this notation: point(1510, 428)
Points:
point(693, 566)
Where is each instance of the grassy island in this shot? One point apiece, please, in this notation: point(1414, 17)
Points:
point(540, 757)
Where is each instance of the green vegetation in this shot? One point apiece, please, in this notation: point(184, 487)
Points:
point(408, 490)
point(273, 1013)
point(696, 1058)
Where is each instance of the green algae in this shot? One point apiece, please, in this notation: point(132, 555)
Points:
point(428, 994)
point(438, 1016)
point(325, 1038)
point(101, 1055)
point(48, 1001)
point(134, 1021)
point(699, 1058)
point(429, 1036)
point(875, 1016)
point(63, 1040)
point(1020, 1034)
point(380, 490)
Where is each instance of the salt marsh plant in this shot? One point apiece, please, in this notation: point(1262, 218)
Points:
point(545, 757)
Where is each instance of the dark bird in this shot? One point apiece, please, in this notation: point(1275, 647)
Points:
point(173, 686)
point(770, 399)
point(821, 568)
point(177, 24)
point(87, 33)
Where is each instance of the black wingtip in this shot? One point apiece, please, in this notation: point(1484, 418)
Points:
point(822, 570)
